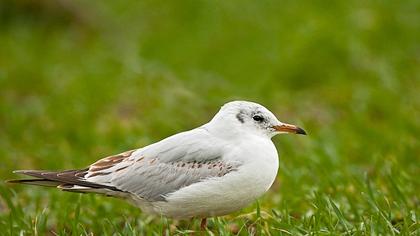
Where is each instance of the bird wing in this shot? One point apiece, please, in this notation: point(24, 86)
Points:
point(156, 170)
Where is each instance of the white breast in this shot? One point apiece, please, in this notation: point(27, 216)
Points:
point(223, 195)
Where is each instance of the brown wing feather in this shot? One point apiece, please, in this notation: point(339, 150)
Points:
point(99, 167)
point(108, 162)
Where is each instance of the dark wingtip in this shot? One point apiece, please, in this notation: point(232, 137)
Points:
point(300, 131)
point(17, 181)
point(14, 181)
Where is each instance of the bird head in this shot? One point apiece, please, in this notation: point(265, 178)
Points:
point(239, 117)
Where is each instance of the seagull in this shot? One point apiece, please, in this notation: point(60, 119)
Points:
point(213, 170)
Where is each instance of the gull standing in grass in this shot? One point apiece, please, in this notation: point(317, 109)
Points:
point(213, 170)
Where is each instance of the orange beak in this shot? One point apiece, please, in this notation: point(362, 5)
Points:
point(287, 128)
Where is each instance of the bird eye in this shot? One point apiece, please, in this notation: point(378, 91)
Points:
point(258, 118)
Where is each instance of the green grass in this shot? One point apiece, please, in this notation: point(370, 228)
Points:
point(81, 80)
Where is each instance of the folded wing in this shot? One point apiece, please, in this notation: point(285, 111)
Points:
point(151, 172)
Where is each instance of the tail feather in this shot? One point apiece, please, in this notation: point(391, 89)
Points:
point(38, 182)
point(68, 180)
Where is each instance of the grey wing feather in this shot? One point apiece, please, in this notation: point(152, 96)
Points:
point(153, 181)
point(164, 167)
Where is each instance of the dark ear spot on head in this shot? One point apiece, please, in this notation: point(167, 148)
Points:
point(240, 117)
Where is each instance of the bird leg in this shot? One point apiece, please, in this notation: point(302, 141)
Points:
point(203, 225)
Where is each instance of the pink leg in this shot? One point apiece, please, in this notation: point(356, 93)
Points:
point(203, 225)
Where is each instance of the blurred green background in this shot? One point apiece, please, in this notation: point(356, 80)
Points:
point(80, 80)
